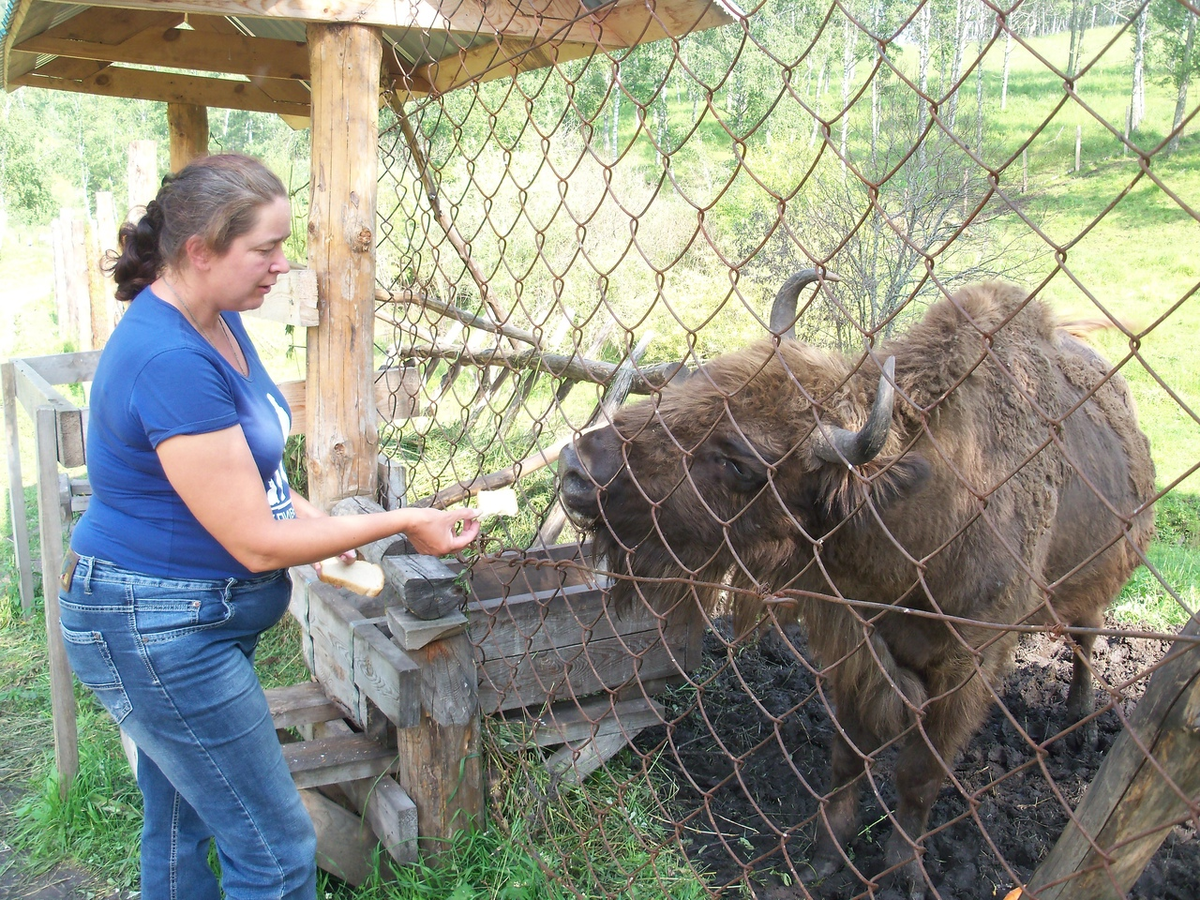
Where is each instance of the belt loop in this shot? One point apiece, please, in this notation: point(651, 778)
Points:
point(90, 563)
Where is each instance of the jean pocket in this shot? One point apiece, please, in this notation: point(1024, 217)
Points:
point(88, 654)
point(163, 614)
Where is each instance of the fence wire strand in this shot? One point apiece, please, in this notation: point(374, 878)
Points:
point(561, 245)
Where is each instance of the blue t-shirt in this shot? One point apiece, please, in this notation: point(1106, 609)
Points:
point(158, 378)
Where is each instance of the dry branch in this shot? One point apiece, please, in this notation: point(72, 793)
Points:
point(573, 367)
point(420, 298)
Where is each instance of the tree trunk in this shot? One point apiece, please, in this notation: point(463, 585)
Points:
point(1137, 97)
point(924, 19)
point(961, 21)
point(1004, 78)
point(1078, 28)
point(1185, 79)
point(848, 66)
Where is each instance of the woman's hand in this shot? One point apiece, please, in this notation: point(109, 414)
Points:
point(215, 475)
point(436, 532)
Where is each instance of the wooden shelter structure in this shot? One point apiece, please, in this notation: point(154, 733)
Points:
point(328, 66)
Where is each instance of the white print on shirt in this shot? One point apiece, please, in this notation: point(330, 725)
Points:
point(278, 494)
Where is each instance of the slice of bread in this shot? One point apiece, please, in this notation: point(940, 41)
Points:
point(360, 576)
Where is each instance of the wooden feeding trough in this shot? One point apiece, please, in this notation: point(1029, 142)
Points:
point(525, 638)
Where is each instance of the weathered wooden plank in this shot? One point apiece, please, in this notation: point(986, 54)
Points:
point(577, 670)
point(385, 805)
point(35, 392)
point(292, 301)
point(576, 761)
point(1130, 807)
point(224, 54)
point(171, 87)
point(301, 704)
point(576, 721)
point(333, 760)
point(549, 619)
point(351, 657)
point(411, 633)
point(345, 843)
point(386, 674)
point(427, 587)
point(50, 527)
point(16, 488)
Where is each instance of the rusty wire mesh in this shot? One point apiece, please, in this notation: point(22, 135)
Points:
point(554, 243)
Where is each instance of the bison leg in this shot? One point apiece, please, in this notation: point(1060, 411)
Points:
point(841, 811)
point(924, 762)
point(1080, 697)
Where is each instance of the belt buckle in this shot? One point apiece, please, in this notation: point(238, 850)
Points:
point(68, 570)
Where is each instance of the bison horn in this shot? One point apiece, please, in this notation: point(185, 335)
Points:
point(783, 310)
point(858, 447)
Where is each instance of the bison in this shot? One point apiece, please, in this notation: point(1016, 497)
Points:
point(984, 469)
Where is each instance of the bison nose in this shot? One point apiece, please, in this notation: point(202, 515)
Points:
point(578, 489)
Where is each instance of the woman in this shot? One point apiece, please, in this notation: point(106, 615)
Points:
point(180, 561)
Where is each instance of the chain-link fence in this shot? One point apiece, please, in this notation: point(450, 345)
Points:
point(788, 670)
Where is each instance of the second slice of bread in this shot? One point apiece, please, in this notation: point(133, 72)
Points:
point(360, 576)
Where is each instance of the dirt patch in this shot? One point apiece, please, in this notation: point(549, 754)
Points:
point(749, 755)
point(18, 881)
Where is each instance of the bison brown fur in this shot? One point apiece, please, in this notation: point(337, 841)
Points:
point(1010, 484)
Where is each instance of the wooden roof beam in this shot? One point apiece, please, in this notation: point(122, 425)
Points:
point(410, 13)
point(173, 48)
point(267, 95)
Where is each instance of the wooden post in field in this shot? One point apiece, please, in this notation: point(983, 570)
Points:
point(105, 309)
point(1078, 145)
point(71, 280)
point(188, 126)
point(1134, 800)
point(341, 434)
point(141, 176)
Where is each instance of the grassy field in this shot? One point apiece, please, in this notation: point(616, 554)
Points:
point(1118, 235)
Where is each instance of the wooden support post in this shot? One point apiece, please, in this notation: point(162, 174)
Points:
point(342, 441)
point(1130, 806)
point(62, 691)
point(345, 843)
point(141, 176)
point(106, 311)
point(439, 760)
point(16, 488)
point(188, 126)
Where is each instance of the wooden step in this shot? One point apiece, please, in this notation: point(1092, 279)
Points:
point(332, 760)
point(301, 704)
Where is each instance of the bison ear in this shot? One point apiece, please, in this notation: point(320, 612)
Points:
point(897, 479)
point(841, 492)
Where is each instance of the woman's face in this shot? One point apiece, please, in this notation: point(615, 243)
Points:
point(246, 272)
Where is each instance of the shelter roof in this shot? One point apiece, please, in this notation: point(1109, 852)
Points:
point(252, 54)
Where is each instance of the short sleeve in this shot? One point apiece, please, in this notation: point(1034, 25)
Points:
point(181, 391)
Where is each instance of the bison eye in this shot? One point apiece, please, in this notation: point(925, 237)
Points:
point(740, 470)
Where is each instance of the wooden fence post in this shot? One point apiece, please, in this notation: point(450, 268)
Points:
point(141, 177)
point(342, 441)
point(1148, 781)
point(16, 489)
point(62, 689)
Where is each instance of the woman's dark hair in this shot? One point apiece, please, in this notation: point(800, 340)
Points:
point(215, 198)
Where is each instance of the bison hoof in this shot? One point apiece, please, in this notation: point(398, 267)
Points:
point(1085, 737)
point(819, 868)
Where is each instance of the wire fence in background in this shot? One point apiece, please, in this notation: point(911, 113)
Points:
point(560, 244)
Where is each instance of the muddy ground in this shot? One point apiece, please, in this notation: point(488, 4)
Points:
point(753, 826)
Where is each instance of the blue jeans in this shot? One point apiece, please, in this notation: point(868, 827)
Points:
point(173, 662)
